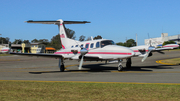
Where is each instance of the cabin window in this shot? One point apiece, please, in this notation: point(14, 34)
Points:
point(72, 46)
point(97, 45)
point(87, 46)
point(76, 45)
point(107, 42)
point(81, 46)
point(92, 45)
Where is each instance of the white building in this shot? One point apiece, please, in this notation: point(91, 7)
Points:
point(160, 40)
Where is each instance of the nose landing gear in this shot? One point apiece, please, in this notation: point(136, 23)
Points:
point(120, 67)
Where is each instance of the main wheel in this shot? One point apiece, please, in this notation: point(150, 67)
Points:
point(120, 67)
point(62, 68)
point(128, 65)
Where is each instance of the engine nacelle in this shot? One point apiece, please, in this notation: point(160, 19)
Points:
point(150, 54)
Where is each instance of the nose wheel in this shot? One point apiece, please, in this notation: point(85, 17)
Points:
point(120, 67)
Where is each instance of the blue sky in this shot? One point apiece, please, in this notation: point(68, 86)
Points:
point(112, 19)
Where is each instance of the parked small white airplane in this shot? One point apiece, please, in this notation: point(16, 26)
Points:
point(93, 50)
point(5, 50)
point(171, 45)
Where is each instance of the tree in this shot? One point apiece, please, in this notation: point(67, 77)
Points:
point(4, 40)
point(26, 41)
point(70, 33)
point(17, 41)
point(34, 40)
point(168, 42)
point(44, 41)
point(89, 38)
point(97, 37)
point(82, 38)
point(120, 44)
point(130, 43)
point(56, 42)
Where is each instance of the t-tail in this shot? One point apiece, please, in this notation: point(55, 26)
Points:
point(65, 41)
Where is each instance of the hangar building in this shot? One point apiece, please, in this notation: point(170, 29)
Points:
point(160, 40)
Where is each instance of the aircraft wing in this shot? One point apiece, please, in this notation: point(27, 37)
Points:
point(38, 54)
point(166, 48)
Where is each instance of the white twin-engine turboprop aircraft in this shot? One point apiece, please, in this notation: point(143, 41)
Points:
point(93, 50)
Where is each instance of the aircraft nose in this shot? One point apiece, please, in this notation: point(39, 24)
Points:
point(131, 52)
point(127, 51)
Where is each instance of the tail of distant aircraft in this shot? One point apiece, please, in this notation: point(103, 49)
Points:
point(65, 41)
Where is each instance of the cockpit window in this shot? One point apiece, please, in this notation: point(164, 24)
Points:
point(76, 45)
point(107, 42)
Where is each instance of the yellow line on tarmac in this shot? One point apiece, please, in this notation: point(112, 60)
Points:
point(90, 82)
point(160, 62)
point(9, 60)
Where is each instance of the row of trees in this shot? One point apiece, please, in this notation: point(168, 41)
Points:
point(55, 40)
point(56, 43)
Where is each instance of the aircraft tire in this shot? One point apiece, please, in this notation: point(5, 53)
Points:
point(120, 67)
point(62, 68)
point(128, 65)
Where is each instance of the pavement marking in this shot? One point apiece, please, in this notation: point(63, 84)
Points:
point(90, 82)
point(160, 62)
point(9, 60)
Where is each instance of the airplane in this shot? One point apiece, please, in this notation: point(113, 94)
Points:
point(171, 45)
point(5, 50)
point(92, 50)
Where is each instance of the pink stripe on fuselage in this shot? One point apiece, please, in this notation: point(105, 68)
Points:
point(110, 53)
point(172, 46)
point(4, 49)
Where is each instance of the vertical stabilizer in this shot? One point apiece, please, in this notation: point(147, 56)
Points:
point(65, 41)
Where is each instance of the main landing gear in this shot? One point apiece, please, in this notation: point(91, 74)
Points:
point(128, 64)
point(61, 64)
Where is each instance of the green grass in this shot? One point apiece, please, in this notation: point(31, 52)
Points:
point(172, 61)
point(5, 55)
point(76, 91)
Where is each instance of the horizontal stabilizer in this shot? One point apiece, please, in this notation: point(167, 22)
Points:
point(57, 22)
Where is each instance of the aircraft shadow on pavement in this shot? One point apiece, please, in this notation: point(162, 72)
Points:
point(105, 68)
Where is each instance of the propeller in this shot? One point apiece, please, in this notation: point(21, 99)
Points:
point(150, 49)
point(83, 52)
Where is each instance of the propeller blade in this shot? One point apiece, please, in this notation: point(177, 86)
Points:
point(83, 52)
point(81, 62)
point(146, 56)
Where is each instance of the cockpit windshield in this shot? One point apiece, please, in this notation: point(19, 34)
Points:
point(107, 42)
